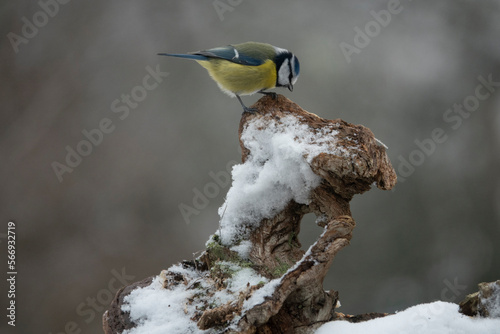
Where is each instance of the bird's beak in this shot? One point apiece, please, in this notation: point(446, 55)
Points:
point(290, 87)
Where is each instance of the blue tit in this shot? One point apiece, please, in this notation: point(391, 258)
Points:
point(247, 68)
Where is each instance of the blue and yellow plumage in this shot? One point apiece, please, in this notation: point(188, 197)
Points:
point(247, 68)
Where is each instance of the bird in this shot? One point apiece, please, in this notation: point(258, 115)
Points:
point(247, 68)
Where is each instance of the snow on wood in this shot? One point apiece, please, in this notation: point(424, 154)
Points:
point(254, 275)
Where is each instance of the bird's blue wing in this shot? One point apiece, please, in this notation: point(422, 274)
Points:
point(231, 54)
point(182, 55)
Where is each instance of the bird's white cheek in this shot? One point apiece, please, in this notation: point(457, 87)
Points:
point(284, 73)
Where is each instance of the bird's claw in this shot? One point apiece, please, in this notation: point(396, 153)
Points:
point(249, 110)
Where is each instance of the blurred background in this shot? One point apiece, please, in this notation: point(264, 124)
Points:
point(152, 132)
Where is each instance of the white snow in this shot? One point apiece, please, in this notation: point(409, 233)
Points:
point(244, 277)
point(157, 310)
point(259, 296)
point(433, 318)
point(276, 172)
point(178, 269)
point(243, 248)
point(492, 303)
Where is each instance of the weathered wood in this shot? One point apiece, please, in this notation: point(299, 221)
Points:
point(296, 302)
point(483, 303)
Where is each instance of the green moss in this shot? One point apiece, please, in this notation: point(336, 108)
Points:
point(290, 238)
point(293, 242)
point(217, 252)
point(281, 269)
point(222, 270)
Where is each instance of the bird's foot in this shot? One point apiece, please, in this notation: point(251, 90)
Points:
point(245, 108)
point(249, 110)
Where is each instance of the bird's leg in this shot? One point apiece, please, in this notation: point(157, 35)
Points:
point(272, 94)
point(245, 108)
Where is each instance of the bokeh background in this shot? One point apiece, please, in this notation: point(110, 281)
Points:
point(118, 212)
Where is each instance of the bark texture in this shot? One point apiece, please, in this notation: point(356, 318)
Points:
point(483, 303)
point(296, 301)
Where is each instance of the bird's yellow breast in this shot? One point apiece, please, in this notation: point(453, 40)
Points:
point(240, 79)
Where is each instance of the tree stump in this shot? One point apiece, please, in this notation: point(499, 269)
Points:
point(293, 163)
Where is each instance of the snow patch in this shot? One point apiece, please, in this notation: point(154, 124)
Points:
point(276, 171)
point(433, 318)
point(243, 249)
point(157, 310)
point(492, 303)
point(244, 277)
point(259, 296)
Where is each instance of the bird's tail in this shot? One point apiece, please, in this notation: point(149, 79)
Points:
point(187, 56)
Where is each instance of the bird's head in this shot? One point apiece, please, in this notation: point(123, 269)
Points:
point(287, 69)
